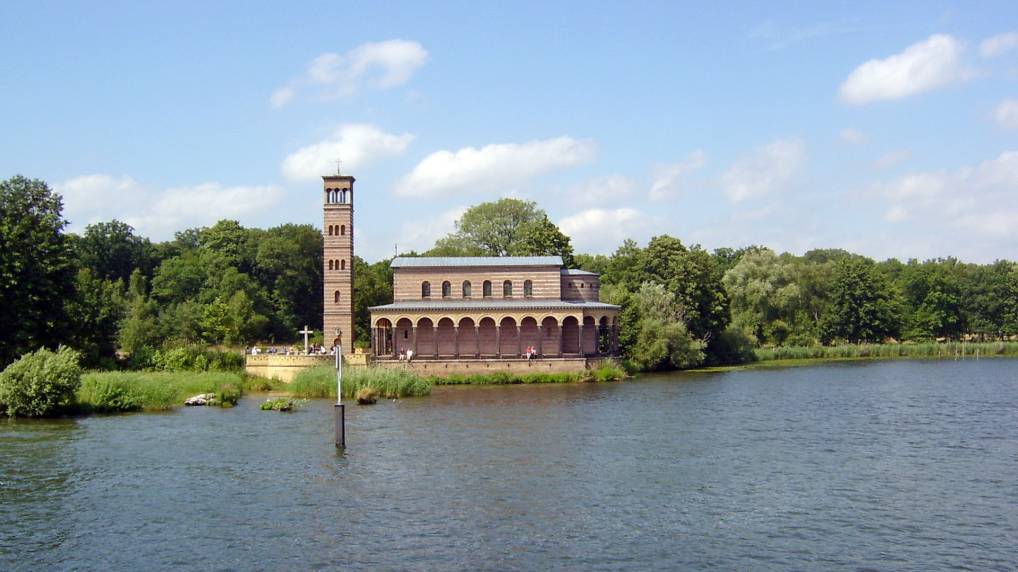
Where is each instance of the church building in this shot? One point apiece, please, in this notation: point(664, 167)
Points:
point(464, 308)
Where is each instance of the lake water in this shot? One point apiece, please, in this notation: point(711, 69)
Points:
point(886, 465)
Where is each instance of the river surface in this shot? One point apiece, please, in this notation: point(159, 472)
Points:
point(883, 465)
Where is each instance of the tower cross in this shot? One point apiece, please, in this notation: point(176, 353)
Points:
point(306, 331)
point(339, 166)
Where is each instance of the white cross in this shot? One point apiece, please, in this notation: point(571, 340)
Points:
point(306, 331)
point(339, 164)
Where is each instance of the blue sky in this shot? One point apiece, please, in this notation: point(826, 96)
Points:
point(890, 130)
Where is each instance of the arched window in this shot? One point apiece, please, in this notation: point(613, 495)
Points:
point(466, 288)
point(425, 289)
point(507, 289)
point(342, 230)
point(342, 264)
point(330, 265)
point(487, 288)
point(330, 230)
point(528, 288)
point(336, 296)
point(342, 197)
point(446, 289)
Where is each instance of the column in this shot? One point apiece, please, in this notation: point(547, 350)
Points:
point(434, 339)
point(579, 332)
point(413, 339)
point(519, 340)
point(395, 352)
point(374, 340)
point(615, 339)
point(558, 327)
point(498, 340)
point(477, 340)
point(456, 341)
point(540, 340)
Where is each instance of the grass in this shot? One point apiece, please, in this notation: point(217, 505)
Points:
point(320, 382)
point(120, 391)
point(889, 351)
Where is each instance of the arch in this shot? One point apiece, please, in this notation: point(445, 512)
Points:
point(425, 289)
point(528, 288)
point(382, 337)
point(570, 335)
point(342, 230)
point(330, 265)
point(342, 197)
point(509, 342)
point(342, 264)
point(336, 297)
point(507, 289)
point(486, 335)
point(550, 336)
point(466, 288)
point(425, 337)
point(604, 340)
point(446, 289)
point(529, 334)
point(589, 345)
point(404, 334)
point(445, 342)
point(330, 230)
point(382, 322)
point(466, 337)
point(486, 289)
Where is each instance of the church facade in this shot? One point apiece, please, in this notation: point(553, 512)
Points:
point(470, 308)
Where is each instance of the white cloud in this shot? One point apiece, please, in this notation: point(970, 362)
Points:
point(999, 44)
point(978, 200)
point(493, 167)
point(356, 145)
point(282, 96)
point(768, 170)
point(895, 214)
point(892, 158)
point(669, 179)
point(853, 136)
point(158, 213)
point(601, 190)
point(603, 230)
point(932, 63)
point(378, 65)
point(1006, 113)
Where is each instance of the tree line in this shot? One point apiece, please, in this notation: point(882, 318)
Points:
point(114, 295)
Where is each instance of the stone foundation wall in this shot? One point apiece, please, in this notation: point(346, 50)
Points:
point(282, 367)
point(443, 367)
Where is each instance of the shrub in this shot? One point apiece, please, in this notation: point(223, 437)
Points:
point(110, 396)
point(282, 404)
point(367, 395)
point(40, 383)
point(608, 370)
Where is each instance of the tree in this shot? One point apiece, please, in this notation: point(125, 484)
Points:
point(372, 287)
point(40, 383)
point(35, 268)
point(764, 296)
point(863, 308)
point(97, 308)
point(112, 251)
point(140, 328)
point(507, 227)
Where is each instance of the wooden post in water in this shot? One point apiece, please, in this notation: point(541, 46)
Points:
point(340, 409)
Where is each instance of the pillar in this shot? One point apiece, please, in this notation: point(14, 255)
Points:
point(477, 340)
point(579, 331)
point(558, 327)
point(498, 340)
point(456, 341)
point(413, 339)
point(395, 352)
point(519, 340)
point(434, 339)
point(540, 340)
point(615, 339)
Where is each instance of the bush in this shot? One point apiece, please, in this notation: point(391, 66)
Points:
point(367, 395)
point(608, 370)
point(195, 358)
point(40, 383)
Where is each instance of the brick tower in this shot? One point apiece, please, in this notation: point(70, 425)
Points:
point(337, 259)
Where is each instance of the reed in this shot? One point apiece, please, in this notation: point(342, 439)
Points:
point(930, 350)
point(120, 391)
point(320, 382)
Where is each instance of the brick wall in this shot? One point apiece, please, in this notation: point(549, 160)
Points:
point(546, 279)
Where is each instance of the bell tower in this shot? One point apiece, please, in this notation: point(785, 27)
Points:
point(337, 259)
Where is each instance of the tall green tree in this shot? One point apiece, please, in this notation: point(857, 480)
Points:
point(507, 227)
point(35, 268)
point(112, 251)
point(863, 306)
